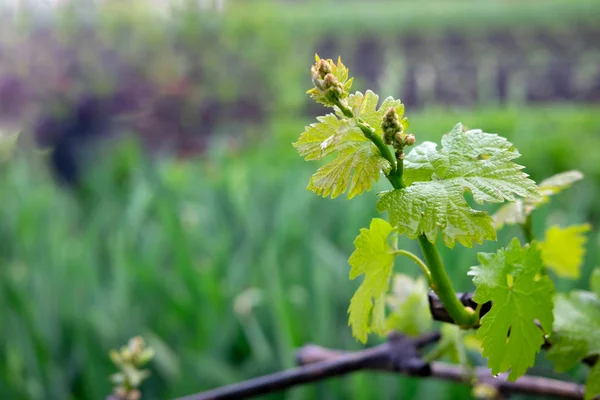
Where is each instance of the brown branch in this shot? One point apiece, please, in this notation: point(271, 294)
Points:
point(399, 354)
point(439, 313)
point(527, 384)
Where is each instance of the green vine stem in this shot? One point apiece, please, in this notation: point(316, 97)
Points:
point(438, 278)
point(463, 317)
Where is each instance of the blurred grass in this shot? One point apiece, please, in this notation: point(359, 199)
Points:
point(225, 264)
point(410, 16)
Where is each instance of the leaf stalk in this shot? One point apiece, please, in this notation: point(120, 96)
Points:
point(418, 261)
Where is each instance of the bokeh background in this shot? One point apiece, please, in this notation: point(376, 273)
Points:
point(196, 230)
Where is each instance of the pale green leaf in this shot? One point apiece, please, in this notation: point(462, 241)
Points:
point(510, 214)
point(436, 181)
point(558, 183)
point(452, 343)
point(365, 108)
point(373, 257)
point(326, 137)
point(576, 334)
point(353, 170)
point(517, 212)
point(358, 163)
point(564, 248)
point(520, 296)
point(409, 306)
point(592, 384)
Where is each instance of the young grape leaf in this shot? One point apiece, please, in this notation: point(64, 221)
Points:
point(576, 334)
point(365, 108)
point(434, 196)
point(517, 212)
point(409, 307)
point(359, 163)
point(520, 296)
point(373, 257)
point(453, 344)
point(564, 248)
point(592, 384)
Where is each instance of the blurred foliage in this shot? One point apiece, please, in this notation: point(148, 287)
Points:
point(180, 74)
point(226, 264)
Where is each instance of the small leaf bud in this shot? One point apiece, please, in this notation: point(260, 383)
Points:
point(323, 68)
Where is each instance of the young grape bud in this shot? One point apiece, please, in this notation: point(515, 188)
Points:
point(388, 136)
point(399, 139)
point(323, 68)
point(409, 140)
point(391, 122)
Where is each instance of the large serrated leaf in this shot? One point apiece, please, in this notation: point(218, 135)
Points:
point(576, 334)
point(373, 257)
point(563, 249)
point(426, 207)
point(521, 298)
point(592, 383)
point(435, 181)
point(517, 212)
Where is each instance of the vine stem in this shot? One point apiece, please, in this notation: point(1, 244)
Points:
point(418, 261)
point(462, 316)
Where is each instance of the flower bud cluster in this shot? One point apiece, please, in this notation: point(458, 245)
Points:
point(393, 131)
point(326, 82)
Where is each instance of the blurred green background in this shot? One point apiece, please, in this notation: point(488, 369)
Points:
point(198, 233)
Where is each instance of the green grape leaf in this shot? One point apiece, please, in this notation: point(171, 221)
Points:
point(521, 297)
point(364, 107)
point(409, 307)
point(592, 383)
point(373, 257)
point(358, 163)
point(576, 334)
point(557, 183)
point(452, 343)
point(563, 249)
point(434, 196)
point(517, 212)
